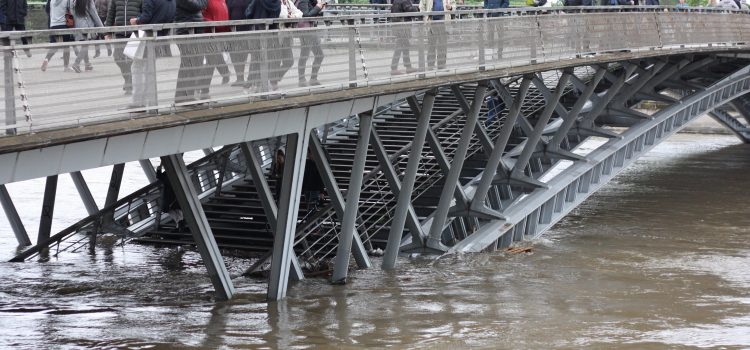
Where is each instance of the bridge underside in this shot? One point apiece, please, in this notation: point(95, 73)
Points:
point(458, 168)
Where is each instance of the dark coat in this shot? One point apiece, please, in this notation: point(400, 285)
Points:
point(262, 9)
point(403, 6)
point(309, 8)
point(120, 12)
point(157, 11)
point(15, 11)
point(189, 11)
point(237, 11)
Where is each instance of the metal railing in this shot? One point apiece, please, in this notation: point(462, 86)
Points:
point(357, 49)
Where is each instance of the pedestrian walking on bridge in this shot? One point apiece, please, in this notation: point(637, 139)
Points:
point(402, 32)
point(119, 13)
point(437, 33)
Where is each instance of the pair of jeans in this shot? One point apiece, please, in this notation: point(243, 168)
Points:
point(60, 38)
point(310, 44)
point(402, 49)
point(124, 63)
point(437, 45)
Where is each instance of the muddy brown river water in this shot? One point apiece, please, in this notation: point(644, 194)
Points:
point(659, 258)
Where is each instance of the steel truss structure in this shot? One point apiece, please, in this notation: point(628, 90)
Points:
point(442, 170)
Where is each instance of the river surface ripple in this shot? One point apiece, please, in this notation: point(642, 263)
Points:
point(659, 258)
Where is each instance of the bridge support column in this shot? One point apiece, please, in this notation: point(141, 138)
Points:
point(286, 222)
point(334, 193)
point(84, 192)
point(148, 170)
point(48, 210)
point(15, 221)
point(451, 181)
point(268, 203)
point(404, 208)
point(196, 220)
point(114, 187)
point(348, 224)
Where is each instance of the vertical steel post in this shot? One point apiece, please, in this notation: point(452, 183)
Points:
point(286, 222)
point(148, 169)
point(15, 221)
point(348, 224)
point(10, 95)
point(451, 181)
point(407, 186)
point(187, 197)
point(352, 54)
point(152, 91)
point(48, 209)
point(266, 199)
point(334, 193)
point(84, 192)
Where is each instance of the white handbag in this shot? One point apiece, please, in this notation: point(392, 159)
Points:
point(135, 48)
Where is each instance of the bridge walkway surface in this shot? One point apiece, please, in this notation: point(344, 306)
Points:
point(554, 114)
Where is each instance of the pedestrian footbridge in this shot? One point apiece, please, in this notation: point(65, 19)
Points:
point(532, 111)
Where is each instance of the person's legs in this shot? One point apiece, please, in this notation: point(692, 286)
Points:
point(239, 58)
point(442, 45)
point(124, 62)
point(188, 74)
point(286, 58)
point(431, 46)
point(318, 61)
point(304, 53)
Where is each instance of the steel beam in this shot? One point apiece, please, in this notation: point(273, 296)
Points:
point(266, 199)
point(601, 104)
point(437, 151)
point(479, 130)
point(404, 209)
point(572, 116)
point(334, 193)
point(115, 182)
point(286, 223)
point(15, 221)
point(148, 170)
point(507, 98)
point(477, 204)
point(48, 209)
point(84, 192)
point(187, 198)
point(412, 221)
point(348, 224)
point(451, 181)
point(533, 139)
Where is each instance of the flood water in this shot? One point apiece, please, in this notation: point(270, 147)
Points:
point(659, 258)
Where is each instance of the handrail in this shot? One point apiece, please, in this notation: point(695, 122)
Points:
point(357, 55)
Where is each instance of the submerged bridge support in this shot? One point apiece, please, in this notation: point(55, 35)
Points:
point(470, 158)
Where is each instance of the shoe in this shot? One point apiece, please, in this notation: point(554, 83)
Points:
point(131, 106)
point(97, 53)
point(411, 70)
point(67, 69)
point(89, 68)
point(44, 65)
point(302, 83)
point(204, 96)
point(28, 52)
point(274, 86)
point(128, 92)
point(225, 80)
point(76, 68)
point(239, 82)
point(313, 82)
point(184, 99)
point(396, 72)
